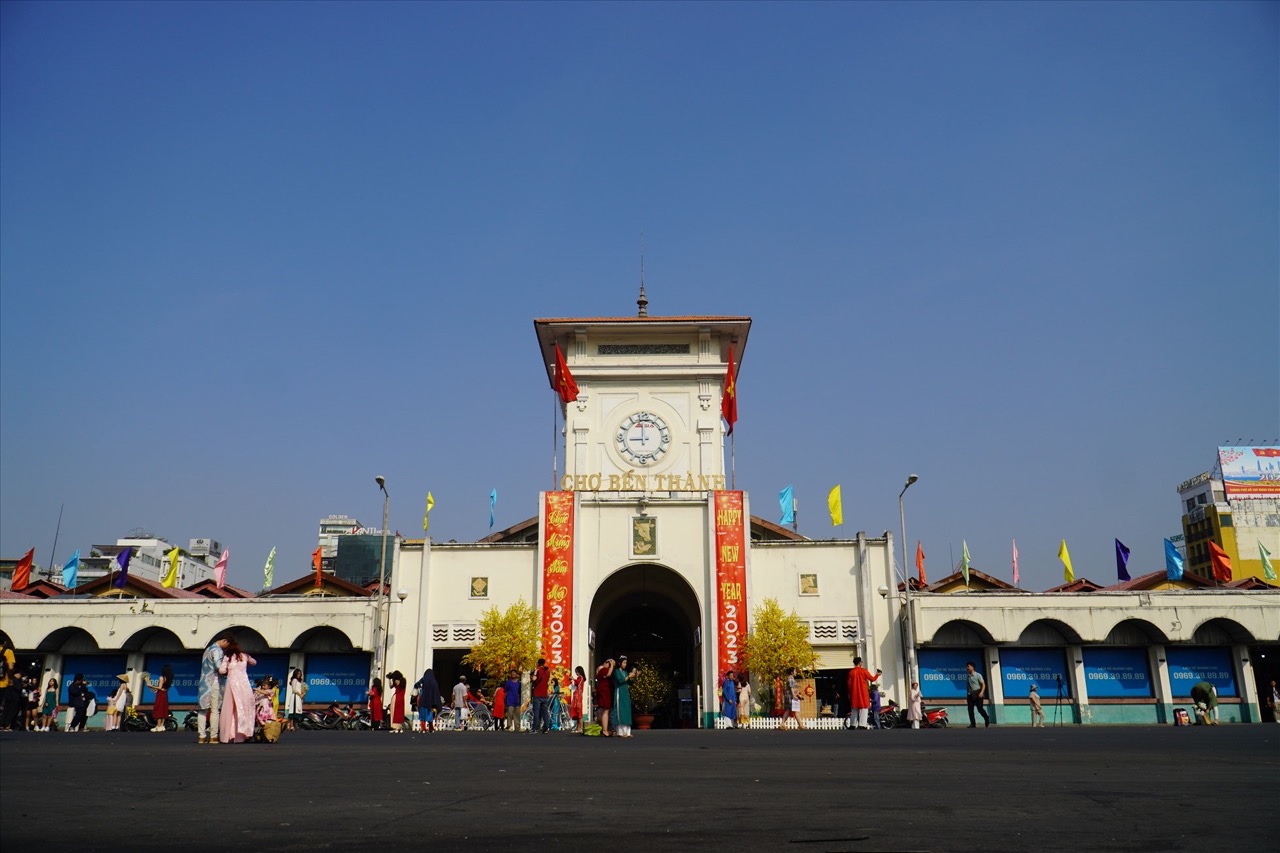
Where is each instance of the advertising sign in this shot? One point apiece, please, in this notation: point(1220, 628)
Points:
point(731, 581)
point(557, 584)
point(942, 672)
point(1117, 673)
point(99, 670)
point(1250, 472)
point(341, 678)
point(1189, 665)
point(185, 688)
point(1044, 668)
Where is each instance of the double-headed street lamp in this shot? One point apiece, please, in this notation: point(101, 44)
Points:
point(379, 626)
point(906, 585)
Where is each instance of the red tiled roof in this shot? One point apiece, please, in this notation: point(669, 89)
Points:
point(1152, 578)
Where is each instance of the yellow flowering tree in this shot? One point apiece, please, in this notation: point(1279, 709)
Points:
point(512, 640)
point(776, 642)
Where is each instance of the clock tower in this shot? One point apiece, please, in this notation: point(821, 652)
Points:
point(647, 415)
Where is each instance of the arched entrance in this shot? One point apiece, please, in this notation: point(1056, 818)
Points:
point(650, 612)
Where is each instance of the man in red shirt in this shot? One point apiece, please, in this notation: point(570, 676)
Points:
point(539, 681)
point(860, 694)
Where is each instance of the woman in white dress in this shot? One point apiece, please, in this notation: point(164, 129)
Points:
point(915, 705)
point(295, 691)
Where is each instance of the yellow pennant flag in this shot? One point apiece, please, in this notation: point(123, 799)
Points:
point(1065, 556)
point(834, 506)
point(170, 579)
point(431, 502)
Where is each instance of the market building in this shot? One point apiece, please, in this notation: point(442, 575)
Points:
point(645, 548)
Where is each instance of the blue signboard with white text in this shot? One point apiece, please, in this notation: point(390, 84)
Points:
point(1187, 665)
point(99, 670)
point(338, 677)
point(1045, 668)
point(185, 689)
point(942, 672)
point(1117, 673)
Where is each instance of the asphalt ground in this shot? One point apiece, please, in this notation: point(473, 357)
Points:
point(1004, 788)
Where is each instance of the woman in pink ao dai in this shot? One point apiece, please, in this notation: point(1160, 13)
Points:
point(238, 711)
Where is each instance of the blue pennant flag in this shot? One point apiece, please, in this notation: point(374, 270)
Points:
point(71, 571)
point(122, 560)
point(1172, 561)
point(1122, 561)
point(493, 503)
point(788, 503)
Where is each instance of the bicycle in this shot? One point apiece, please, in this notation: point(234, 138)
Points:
point(559, 713)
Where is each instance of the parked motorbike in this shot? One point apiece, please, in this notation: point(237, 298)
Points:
point(935, 718)
point(329, 719)
point(144, 722)
point(892, 716)
point(191, 722)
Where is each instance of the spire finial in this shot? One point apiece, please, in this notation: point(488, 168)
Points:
point(643, 302)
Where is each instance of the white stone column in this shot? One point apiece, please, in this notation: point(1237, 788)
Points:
point(1247, 684)
point(1079, 685)
point(1160, 681)
point(995, 683)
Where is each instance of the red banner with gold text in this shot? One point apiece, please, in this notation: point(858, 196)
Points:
point(731, 581)
point(557, 584)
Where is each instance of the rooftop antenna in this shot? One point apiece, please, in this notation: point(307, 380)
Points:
point(643, 302)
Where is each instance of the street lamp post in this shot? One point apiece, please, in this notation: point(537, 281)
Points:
point(380, 630)
point(906, 585)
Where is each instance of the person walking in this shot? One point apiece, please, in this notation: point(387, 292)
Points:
point(791, 710)
point(622, 696)
point(975, 694)
point(294, 692)
point(429, 700)
point(209, 690)
point(859, 683)
point(604, 694)
point(1033, 700)
point(744, 701)
point(238, 712)
point(459, 703)
point(160, 708)
point(575, 700)
point(539, 688)
point(511, 697)
point(729, 700)
point(915, 705)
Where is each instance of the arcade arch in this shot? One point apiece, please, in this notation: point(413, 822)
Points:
point(649, 611)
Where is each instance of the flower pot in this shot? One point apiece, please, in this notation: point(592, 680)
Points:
point(644, 722)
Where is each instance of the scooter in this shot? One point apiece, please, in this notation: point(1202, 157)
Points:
point(935, 718)
point(328, 719)
point(144, 722)
point(191, 722)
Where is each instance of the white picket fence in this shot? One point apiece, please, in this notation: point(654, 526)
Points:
point(822, 724)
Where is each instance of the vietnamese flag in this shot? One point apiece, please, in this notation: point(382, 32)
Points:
point(564, 385)
point(1221, 563)
point(729, 400)
point(22, 571)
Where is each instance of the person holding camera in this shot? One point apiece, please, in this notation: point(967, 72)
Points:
point(860, 681)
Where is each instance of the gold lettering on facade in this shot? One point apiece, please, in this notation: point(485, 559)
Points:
point(558, 566)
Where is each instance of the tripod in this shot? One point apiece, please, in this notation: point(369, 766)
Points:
point(1057, 705)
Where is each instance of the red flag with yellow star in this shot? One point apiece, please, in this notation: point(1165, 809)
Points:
point(565, 386)
point(729, 400)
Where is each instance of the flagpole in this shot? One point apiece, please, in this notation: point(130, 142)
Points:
point(733, 464)
point(555, 442)
point(53, 551)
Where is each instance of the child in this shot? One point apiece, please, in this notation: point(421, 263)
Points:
point(375, 704)
point(875, 705)
point(262, 700)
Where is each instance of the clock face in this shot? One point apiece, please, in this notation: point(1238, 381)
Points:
point(643, 438)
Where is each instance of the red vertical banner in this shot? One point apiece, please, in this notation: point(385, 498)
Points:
point(731, 581)
point(557, 584)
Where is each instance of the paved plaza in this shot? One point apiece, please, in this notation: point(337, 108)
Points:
point(1076, 788)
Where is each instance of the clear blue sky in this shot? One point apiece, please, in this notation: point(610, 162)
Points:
point(252, 255)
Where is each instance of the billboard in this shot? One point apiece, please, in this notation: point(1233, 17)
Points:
point(1045, 668)
point(1250, 472)
point(1189, 664)
point(1117, 672)
point(942, 672)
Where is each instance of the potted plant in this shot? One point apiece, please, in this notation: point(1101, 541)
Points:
point(651, 688)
